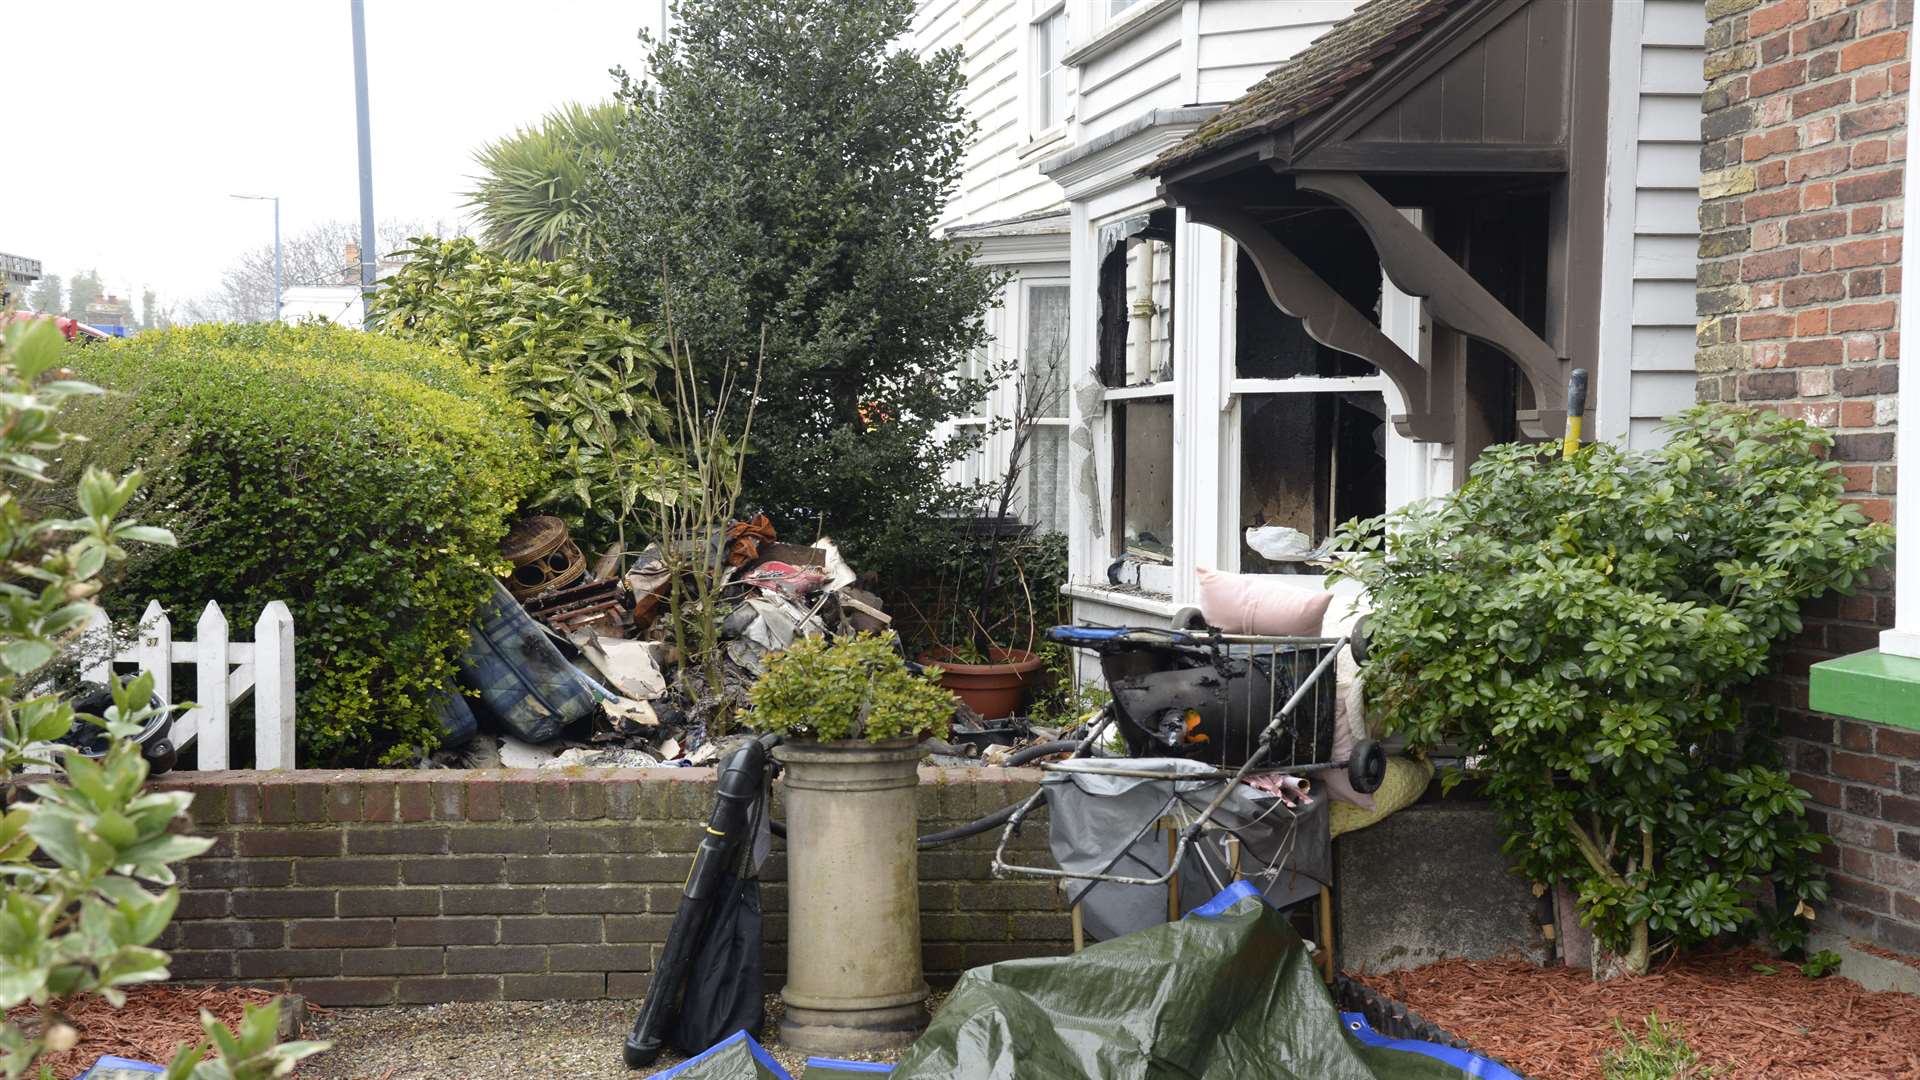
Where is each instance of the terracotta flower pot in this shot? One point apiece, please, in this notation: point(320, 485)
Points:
point(993, 690)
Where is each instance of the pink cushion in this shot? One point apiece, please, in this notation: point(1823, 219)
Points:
point(1261, 604)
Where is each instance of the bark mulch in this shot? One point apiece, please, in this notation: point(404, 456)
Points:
point(149, 1027)
point(1555, 1023)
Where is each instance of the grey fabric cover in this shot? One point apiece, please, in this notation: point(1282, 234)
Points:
point(1105, 824)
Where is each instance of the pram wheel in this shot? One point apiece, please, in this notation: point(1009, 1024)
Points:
point(1367, 768)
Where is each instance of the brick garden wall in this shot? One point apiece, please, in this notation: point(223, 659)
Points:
point(369, 888)
point(1805, 144)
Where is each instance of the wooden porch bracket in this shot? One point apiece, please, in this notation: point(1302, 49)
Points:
point(1328, 318)
point(1418, 266)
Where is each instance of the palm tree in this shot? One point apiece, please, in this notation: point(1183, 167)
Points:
point(531, 198)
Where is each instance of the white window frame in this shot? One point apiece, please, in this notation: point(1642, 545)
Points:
point(1204, 388)
point(1166, 390)
point(1024, 286)
point(1007, 331)
point(1040, 126)
point(1415, 471)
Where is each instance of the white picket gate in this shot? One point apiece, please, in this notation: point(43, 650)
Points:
point(225, 673)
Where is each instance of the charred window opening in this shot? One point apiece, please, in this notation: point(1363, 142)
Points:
point(1136, 301)
point(1269, 343)
point(1312, 456)
point(1504, 245)
point(1143, 488)
point(1307, 463)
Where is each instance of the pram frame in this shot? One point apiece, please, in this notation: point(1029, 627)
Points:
point(1189, 835)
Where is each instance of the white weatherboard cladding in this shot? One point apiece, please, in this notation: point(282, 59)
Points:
point(1136, 76)
point(1652, 233)
point(1241, 40)
point(999, 178)
point(1159, 56)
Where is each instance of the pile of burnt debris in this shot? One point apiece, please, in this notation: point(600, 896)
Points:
point(573, 663)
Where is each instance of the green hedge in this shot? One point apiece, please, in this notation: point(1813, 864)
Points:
point(366, 481)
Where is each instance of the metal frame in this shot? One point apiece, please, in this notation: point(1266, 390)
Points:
point(1191, 833)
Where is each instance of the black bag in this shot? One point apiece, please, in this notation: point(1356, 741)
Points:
point(726, 981)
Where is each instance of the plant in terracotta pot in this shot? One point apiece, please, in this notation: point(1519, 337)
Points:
point(853, 715)
point(985, 646)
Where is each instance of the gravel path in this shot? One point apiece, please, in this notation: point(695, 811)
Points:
point(492, 1041)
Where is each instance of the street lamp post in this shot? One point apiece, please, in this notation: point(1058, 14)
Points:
point(368, 255)
point(279, 295)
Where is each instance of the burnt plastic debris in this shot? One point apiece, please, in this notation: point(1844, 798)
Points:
point(524, 683)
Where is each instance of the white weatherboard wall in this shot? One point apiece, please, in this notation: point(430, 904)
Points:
point(1652, 232)
point(999, 179)
point(1239, 39)
point(1159, 54)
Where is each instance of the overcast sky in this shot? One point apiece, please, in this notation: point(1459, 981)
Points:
point(147, 114)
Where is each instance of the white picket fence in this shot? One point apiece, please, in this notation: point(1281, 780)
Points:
point(225, 673)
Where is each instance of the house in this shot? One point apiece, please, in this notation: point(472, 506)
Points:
point(16, 273)
point(1317, 254)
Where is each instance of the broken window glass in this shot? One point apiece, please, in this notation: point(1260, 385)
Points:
point(1143, 479)
point(1271, 344)
point(1136, 301)
point(1307, 462)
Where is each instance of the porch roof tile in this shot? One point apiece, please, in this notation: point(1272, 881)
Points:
point(1313, 78)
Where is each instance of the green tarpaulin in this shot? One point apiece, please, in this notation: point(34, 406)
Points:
point(1227, 993)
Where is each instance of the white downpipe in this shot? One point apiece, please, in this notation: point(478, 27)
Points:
point(1904, 638)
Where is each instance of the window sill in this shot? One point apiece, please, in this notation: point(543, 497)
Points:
point(1147, 603)
point(1134, 393)
point(1044, 142)
point(1129, 24)
point(1871, 685)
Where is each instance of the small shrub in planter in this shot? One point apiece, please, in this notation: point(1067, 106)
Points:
point(1584, 626)
point(366, 481)
point(858, 688)
point(850, 711)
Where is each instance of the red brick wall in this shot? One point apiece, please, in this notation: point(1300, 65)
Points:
point(1805, 134)
point(368, 888)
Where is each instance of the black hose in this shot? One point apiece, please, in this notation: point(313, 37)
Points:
point(1040, 750)
point(972, 828)
point(978, 825)
point(945, 836)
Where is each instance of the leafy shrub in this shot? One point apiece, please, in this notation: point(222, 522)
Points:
point(775, 193)
point(853, 688)
point(1584, 626)
point(583, 373)
point(365, 481)
point(948, 596)
point(80, 859)
point(532, 195)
